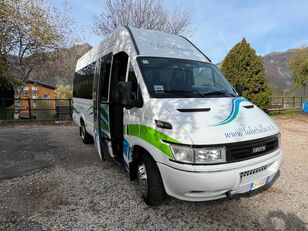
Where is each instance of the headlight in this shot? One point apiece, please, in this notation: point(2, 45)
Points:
point(183, 154)
point(208, 155)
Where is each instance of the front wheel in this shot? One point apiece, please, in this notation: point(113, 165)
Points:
point(150, 182)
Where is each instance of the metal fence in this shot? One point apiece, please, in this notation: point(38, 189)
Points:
point(35, 109)
point(61, 109)
point(281, 103)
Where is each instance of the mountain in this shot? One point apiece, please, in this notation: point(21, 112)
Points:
point(59, 67)
point(278, 73)
point(53, 68)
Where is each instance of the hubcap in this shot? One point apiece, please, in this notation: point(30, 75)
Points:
point(143, 179)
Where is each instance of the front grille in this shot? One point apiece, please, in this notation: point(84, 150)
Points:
point(251, 149)
point(253, 171)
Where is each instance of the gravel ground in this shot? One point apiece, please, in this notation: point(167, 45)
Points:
point(50, 180)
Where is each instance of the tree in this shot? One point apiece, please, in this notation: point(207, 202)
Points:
point(64, 92)
point(242, 65)
point(29, 29)
point(299, 68)
point(6, 38)
point(146, 14)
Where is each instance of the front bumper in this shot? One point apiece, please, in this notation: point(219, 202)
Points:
point(213, 182)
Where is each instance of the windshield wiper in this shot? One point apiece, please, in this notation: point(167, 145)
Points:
point(219, 92)
point(184, 91)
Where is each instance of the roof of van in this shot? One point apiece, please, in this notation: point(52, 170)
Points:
point(142, 42)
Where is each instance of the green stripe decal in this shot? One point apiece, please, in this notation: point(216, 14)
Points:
point(152, 136)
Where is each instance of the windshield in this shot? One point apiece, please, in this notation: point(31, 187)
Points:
point(179, 78)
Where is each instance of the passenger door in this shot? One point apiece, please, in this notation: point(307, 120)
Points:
point(118, 74)
point(101, 103)
point(131, 116)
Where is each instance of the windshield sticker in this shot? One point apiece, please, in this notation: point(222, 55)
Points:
point(159, 88)
point(145, 61)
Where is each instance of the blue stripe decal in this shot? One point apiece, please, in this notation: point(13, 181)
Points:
point(126, 148)
point(104, 120)
point(90, 110)
point(234, 111)
point(267, 180)
point(105, 115)
point(251, 187)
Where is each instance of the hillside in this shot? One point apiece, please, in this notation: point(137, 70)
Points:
point(278, 72)
point(60, 67)
point(52, 68)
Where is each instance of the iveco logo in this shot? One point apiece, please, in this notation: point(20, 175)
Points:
point(259, 149)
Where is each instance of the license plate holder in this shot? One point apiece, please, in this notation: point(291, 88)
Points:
point(258, 183)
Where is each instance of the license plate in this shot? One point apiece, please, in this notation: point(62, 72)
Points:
point(257, 184)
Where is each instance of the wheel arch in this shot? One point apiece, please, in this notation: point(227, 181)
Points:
point(81, 120)
point(136, 153)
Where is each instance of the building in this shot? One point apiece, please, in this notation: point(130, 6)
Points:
point(35, 98)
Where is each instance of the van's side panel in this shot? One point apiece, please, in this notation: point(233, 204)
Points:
point(83, 109)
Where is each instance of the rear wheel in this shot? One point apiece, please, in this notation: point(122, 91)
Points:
point(85, 136)
point(150, 182)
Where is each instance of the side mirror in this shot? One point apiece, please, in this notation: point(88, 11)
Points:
point(239, 89)
point(126, 96)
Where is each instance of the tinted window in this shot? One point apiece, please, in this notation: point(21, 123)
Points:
point(119, 67)
point(105, 72)
point(83, 82)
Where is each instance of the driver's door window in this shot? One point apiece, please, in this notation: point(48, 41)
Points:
point(136, 94)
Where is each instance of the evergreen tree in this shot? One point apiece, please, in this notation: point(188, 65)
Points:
point(243, 66)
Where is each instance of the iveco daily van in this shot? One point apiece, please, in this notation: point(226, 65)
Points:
point(157, 105)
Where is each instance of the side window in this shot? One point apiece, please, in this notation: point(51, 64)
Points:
point(26, 92)
point(136, 94)
point(83, 82)
point(105, 76)
point(118, 74)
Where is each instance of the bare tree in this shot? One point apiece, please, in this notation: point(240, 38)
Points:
point(31, 30)
point(146, 14)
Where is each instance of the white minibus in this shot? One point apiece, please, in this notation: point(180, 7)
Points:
point(157, 105)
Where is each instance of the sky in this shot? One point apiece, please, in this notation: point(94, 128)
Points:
point(268, 25)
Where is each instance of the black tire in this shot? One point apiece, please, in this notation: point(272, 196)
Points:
point(152, 190)
point(85, 136)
